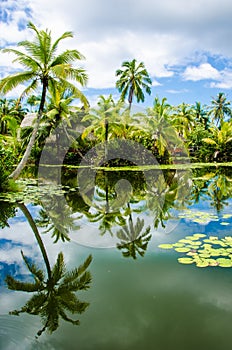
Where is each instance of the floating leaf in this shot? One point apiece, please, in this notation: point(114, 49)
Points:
point(203, 263)
point(227, 216)
point(185, 260)
point(178, 245)
point(165, 246)
point(199, 235)
point(182, 250)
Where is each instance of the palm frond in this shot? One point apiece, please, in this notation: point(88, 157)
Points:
point(37, 273)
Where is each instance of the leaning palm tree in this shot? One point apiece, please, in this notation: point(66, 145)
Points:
point(132, 80)
point(42, 68)
point(55, 289)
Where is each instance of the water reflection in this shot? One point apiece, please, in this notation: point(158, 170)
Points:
point(53, 288)
point(132, 226)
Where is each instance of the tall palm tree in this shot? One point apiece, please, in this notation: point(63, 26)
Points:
point(220, 108)
point(42, 68)
point(132, 80)
point(56, 292)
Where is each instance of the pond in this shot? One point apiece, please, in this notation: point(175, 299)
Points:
point(142, 258)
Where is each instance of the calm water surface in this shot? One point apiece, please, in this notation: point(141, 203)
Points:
point(140, 296)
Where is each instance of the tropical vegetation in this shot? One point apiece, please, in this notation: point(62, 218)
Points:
point(60, 111)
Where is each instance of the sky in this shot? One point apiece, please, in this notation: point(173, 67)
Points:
point(186, 46)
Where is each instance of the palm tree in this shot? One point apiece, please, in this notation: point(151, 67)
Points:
point(183, 119)
point(56, 292)
point(42, 68)
point(101, 118)
point(220, 107)
point(132, 80)
point(200, 114)
point(57, 219)
point(158, 126)
point(33, 101)
point(133, 240)
point(10, 109)
point(220, 139)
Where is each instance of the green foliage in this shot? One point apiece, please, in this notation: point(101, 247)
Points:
point(7, 210)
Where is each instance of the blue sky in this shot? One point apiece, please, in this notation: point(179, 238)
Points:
point(186, 47)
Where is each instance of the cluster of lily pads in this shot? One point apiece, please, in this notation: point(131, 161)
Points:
point(203, 251)
point(200, 217)
point(29, 191)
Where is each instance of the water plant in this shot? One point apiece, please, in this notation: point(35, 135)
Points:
point(203, 251)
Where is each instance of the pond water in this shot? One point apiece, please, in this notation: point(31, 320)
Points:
point(161, 247)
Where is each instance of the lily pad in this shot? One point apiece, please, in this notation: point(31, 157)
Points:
point(165, 246)
point(185, 260)
point(182, 250)
point(227, 216)
point(203, 263)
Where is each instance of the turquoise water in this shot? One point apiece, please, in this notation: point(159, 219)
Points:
point(151, 302)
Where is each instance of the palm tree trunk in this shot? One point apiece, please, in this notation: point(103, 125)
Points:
point(130, 98)
point(15, 174)
point(33, 226)
point(106, 137)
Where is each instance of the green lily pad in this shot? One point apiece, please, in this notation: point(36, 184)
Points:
point(199, 235)
point(196, 243)
point(182, 250)
point(188, 241)
point(203, 263)
point(178, 245)
point(185, 260)
point(212, 262)
point(224, 223)
point(165, 246)
point(191, 253)
point(204, 255)
point(192, 238)
point(227, 216)
point(224, 262)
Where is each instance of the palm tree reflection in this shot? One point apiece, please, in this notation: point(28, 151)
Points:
point(133, 240)
point(55, 287)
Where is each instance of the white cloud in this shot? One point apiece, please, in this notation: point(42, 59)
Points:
point(164, 35)
point(225, 81)
point(172, 91)
point(204, 71)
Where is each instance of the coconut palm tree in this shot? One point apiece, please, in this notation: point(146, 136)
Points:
point(220, 108)
point(10, 109)
point(220, 139)
point(101, 118)
point(183, 119)
point(158, 126)
point(133, 79)
point(42, 68)
point(201, 115)
point(133, 240)
point(56, 291)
